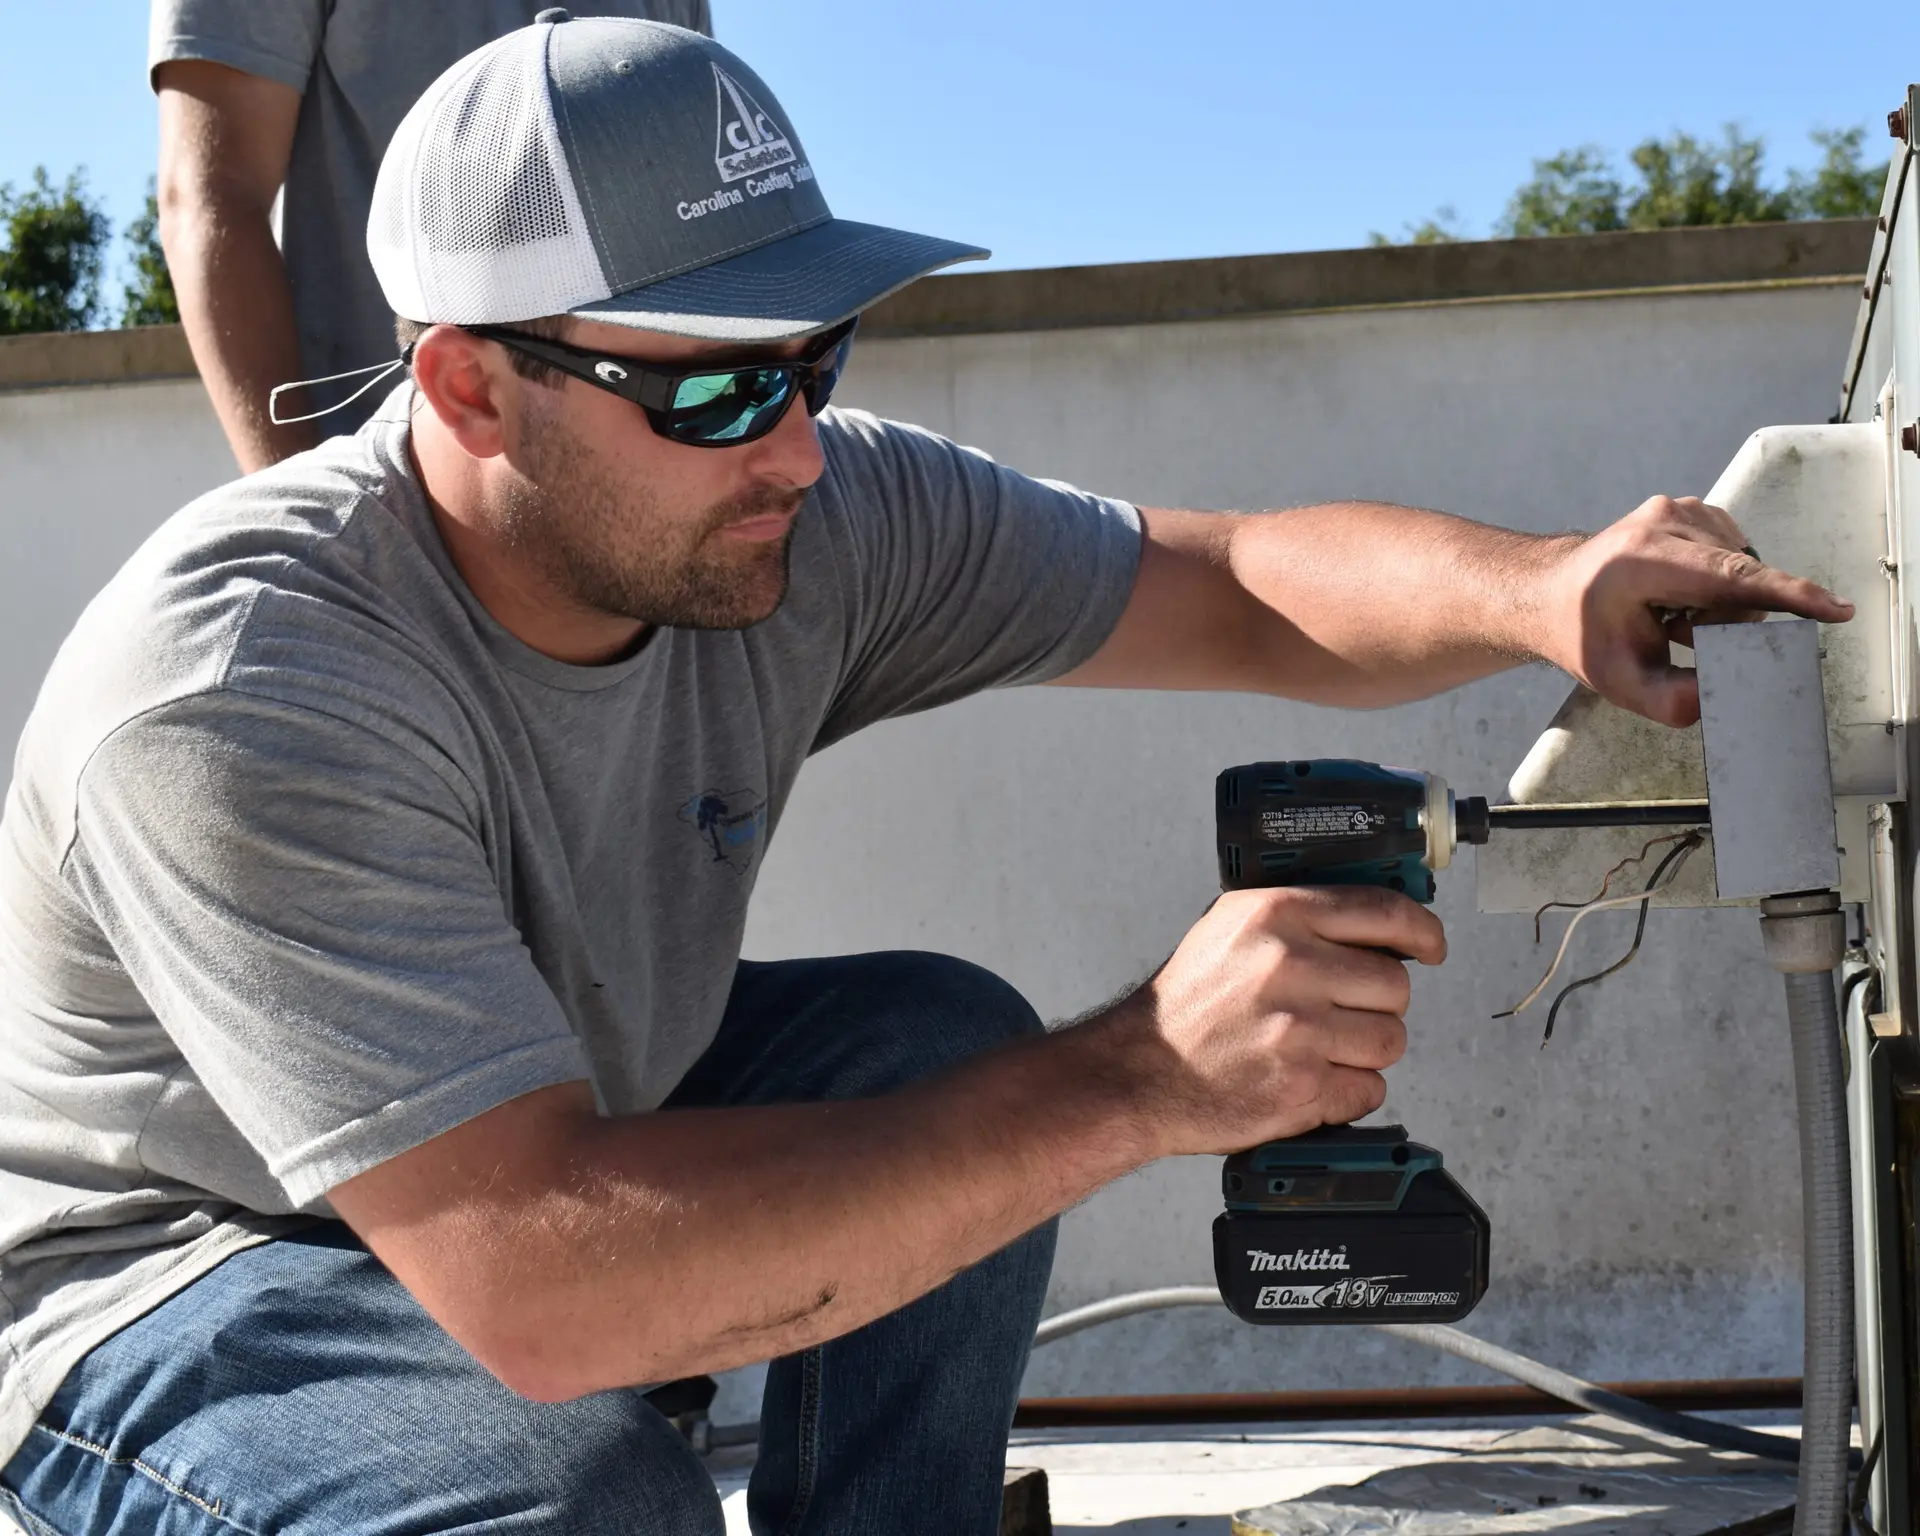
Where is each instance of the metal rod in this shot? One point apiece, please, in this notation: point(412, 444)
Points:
point(1387, 1403)
point(1665, 813)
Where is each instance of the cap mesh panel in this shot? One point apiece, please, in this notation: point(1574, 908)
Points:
point(494, 184)
point(475, 218)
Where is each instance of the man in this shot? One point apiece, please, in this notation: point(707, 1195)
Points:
point(385, 1100)
point(257, 95)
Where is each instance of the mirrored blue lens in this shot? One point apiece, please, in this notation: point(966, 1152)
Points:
point(727, 407)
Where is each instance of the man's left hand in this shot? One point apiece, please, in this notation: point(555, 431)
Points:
point(1620, 597)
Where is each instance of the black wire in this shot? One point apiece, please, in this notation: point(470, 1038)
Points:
point(1863, 1488)
point(1575, 906)
point(1678, 850)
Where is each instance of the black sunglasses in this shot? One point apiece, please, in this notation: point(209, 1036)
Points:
point(701, 407)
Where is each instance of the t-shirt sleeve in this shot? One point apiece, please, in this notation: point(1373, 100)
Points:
point(960, 574)
point(312, 913)
point(275, 39)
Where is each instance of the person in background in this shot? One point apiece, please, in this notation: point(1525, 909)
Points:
point(273, 117)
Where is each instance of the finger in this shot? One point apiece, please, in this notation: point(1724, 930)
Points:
point(1668, 694)
point(1706, 617)
point(1352, 1037)
point(1688, 575)
point(1321, 973)
point(1349, 1093)
point(1372, 917)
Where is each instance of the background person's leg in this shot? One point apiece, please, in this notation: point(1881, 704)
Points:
point(299, 1390)
point(899, 1427)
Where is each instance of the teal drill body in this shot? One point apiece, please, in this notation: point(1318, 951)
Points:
point(1347, 1224)
point(1329, 821)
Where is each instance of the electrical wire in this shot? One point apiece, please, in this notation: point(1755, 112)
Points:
point(1639, 932)
point(1542, 1378)
point(1675, 858)
point(1606, 881)
point(1116, 1307)
point(1863, 1488)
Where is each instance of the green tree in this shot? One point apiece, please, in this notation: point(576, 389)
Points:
point(1842, 187)
point(52, 245)
point(1685, 183)
point(1680, 180)
point(1441, 229)
point(1573, 193)
point(149, 297)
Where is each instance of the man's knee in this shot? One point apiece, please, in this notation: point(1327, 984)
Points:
point(612, 1466)
point(923, 1012)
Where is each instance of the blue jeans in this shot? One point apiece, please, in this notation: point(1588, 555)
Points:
point(299, 1390)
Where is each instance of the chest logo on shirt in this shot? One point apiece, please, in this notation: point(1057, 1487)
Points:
point(731, 823)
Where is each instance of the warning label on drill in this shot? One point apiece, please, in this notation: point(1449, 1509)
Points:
point(1317, 823)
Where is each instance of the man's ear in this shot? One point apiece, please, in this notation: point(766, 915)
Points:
point(469, 385)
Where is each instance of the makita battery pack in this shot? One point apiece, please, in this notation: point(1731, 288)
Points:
point(1348, 1224)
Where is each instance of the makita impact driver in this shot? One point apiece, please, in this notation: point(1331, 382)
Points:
point(1347, 1224)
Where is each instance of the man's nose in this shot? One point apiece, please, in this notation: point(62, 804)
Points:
point(790, 454)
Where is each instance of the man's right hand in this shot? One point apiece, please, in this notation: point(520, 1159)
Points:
point(1277, 1014)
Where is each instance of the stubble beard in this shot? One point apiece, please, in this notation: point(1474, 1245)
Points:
point(611, 547)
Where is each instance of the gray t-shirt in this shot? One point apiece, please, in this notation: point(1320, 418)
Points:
point(359, 64)
point(306, 860)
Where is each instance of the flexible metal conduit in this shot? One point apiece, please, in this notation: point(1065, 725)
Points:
point(1544, 1378)
point(1805, 938)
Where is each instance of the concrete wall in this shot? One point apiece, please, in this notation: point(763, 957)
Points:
point(1640, 1172)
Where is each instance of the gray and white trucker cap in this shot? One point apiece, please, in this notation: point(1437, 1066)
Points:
point(625, 171)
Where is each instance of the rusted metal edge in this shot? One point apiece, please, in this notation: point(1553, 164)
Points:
point(1389, 1403)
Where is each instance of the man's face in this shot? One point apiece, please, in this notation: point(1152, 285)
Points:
point(626, 522)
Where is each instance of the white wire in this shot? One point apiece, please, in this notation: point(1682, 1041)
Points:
point(1116, 1307)
point(1566, 938)
point(378, 370)
point(1542, 1378)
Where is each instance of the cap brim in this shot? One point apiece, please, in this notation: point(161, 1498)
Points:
point(788, 287)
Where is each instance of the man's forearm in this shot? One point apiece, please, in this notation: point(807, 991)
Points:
point(1364, 604)
point(238, 312)
point(697, 1240)
point(1374, 604)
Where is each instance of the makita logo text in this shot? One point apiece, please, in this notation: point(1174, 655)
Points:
point(1260, 1261)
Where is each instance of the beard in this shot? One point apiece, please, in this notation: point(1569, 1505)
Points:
point(610, 545)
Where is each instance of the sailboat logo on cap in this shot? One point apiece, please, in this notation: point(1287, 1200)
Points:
point(749, 140)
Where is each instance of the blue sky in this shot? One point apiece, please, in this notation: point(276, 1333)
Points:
point(1068, 131)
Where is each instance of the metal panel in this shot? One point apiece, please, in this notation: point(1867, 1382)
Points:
point(1764, 725)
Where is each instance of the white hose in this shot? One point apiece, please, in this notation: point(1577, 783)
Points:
point(1543, 1378)
point(1116, 1307)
